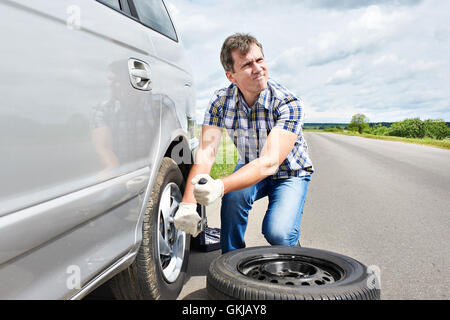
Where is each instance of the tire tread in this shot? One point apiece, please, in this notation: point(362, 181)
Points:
point(222, 284)
point(140, 280)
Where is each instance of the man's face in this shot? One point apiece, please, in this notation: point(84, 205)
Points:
point(250, 71)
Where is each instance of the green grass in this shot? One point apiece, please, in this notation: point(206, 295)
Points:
point(444, 144)
point(226, 158)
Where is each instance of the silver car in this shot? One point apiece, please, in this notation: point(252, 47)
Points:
point(96, 141)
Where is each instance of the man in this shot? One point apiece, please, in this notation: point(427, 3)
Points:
point(265, 122)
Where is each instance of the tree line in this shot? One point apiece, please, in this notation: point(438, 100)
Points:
point(409, 128)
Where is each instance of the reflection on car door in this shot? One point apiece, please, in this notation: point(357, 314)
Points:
point(77, 141)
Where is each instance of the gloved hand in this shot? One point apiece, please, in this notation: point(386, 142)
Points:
point(209, 192)
point(186, 218)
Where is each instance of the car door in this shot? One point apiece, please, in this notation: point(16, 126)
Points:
point(173, 82)
point(80, 131)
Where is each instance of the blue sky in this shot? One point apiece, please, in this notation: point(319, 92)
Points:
point(386, 59)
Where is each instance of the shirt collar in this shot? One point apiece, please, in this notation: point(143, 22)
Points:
point(263, 99)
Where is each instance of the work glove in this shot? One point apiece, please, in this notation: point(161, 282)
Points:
point(206, 189)
point(187, 219)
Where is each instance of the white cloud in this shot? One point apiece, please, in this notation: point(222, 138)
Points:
point(387, 58)
point(374, 20)
point(353, 4)
point(364, 34)
point(341, 76)
point(196, 28)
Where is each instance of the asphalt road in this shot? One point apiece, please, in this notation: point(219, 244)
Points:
point(384, 203)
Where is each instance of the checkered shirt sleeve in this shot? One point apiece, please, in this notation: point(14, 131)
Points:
point(289, 115)
point(214, 113)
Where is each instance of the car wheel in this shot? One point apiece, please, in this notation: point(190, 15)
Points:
point(160, 267)
point(289, 273)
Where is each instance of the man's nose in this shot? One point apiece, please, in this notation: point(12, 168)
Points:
point(257, 68)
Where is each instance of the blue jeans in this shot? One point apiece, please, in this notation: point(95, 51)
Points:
point(281, 225)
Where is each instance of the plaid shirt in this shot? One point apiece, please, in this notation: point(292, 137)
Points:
point(129, 128)
point(249, 127)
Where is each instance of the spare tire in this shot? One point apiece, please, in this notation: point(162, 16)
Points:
point(289, 273)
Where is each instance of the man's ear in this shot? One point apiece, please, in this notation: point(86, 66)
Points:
point(230, 77)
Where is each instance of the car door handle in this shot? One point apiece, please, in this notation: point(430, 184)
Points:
point(140, 75)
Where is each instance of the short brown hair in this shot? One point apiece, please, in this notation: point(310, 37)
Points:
point(239, 41)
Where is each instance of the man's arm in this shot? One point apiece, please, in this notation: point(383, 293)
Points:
point(204, 158)
point(279, 144)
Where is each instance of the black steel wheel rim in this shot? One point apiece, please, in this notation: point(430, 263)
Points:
point(291, 270)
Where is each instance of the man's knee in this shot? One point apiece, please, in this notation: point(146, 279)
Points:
point(281, 237)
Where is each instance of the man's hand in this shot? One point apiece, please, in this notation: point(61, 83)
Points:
point(207, 193)
point(187, 219)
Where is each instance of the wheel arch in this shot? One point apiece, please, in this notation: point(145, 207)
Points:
point(184, 162)
point(175, 148)
point(178, 142)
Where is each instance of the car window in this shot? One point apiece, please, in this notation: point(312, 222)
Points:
point(153, 13)
point(112, 3)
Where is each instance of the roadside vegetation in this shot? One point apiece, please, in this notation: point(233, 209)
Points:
point(226, 157)
point(432, 132)
point(428, 132)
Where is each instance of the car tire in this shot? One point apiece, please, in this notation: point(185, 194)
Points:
point(159, 270)
point(289, 273)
